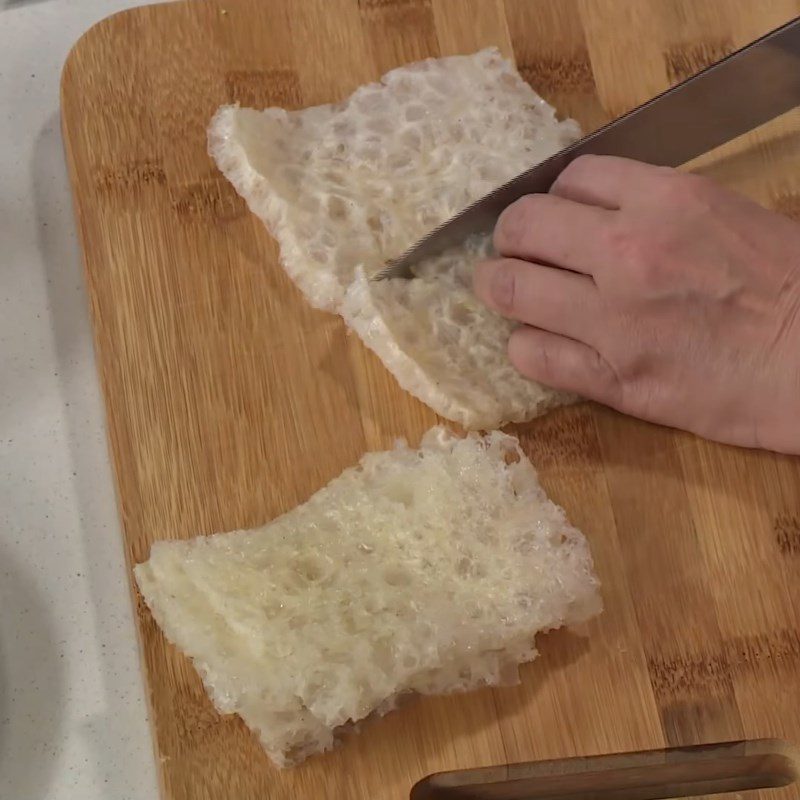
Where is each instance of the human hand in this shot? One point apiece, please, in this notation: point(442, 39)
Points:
point(660, 294)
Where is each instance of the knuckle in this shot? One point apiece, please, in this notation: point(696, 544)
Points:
point(642, 258)
point(606, 379)
point(538, 362)
point(668, 186)
point(502, 286)
point(582, 165)
point(630, 369)
point(546, 363)
point(699, 189)
point(626, 244)
point(680, 188)
point(641, 397)
point(577, 169)
point(519, 354)
point(514, 222)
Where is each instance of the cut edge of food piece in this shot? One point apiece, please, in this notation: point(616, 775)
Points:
point(456, 396)
point(360, 313)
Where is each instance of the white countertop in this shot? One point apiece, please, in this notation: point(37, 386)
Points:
point(72, 712)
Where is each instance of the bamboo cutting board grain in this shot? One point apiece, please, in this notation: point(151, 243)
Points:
point(229, 400)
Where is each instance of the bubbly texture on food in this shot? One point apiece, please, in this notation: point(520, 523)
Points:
point(346, 187)
point(425, 571)
point(444, 346)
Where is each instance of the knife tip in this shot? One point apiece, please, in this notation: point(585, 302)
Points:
point(396, 268)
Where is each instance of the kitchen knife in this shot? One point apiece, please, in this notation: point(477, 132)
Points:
point(731, 97)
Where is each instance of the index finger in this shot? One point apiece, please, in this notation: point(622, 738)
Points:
point(549, 230)
point(605, 181)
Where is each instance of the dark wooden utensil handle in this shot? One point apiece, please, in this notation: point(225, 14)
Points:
point(645, 775)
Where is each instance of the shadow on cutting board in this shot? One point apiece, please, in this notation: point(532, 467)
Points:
point(120, 726)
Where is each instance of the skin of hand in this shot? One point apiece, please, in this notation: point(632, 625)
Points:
point(658, 293)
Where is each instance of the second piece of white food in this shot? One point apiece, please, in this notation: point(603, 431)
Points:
point(427, 571)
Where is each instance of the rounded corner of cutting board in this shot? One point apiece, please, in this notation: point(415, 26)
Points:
point(87, 39)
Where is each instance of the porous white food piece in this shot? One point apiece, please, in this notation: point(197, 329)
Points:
point(344, 188)
point(444, 346)
point(417, 571)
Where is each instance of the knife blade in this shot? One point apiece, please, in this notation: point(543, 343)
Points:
point(725, 100)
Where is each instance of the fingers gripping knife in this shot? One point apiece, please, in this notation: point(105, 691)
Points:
point(731, 97)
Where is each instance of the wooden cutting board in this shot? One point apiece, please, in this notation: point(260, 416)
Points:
point(229, 400)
